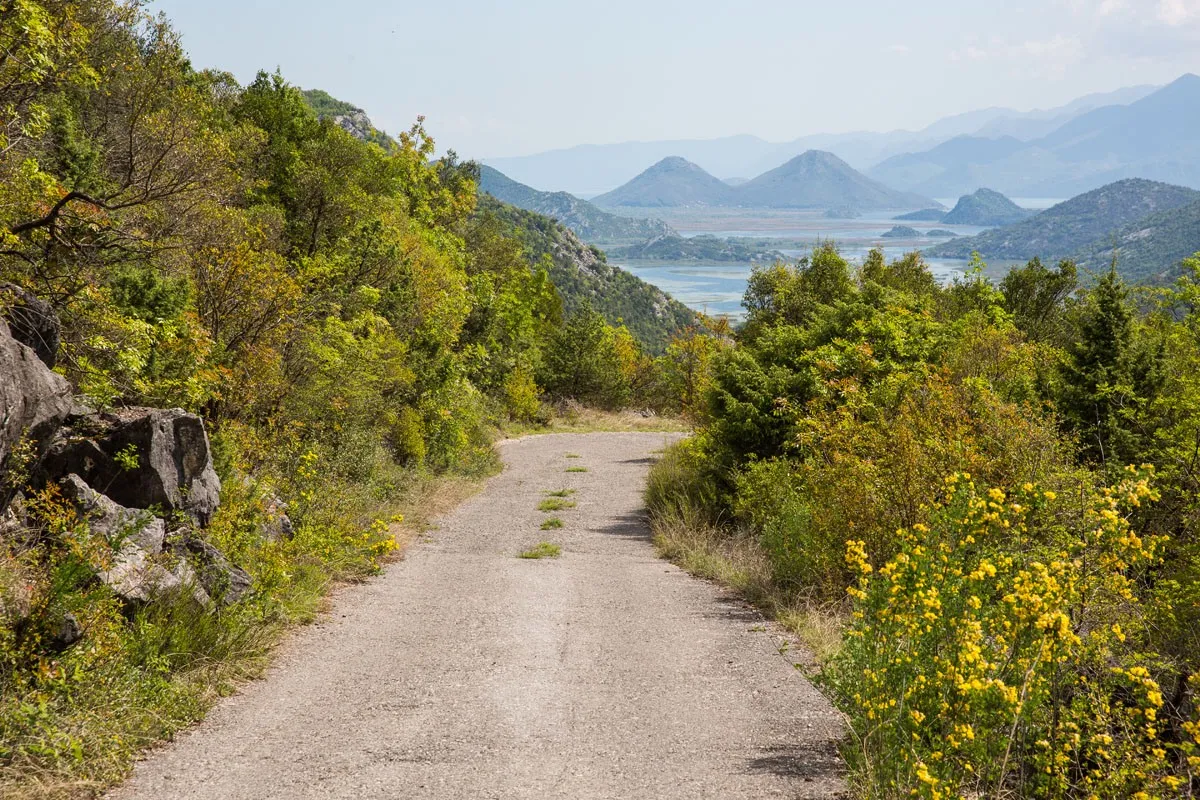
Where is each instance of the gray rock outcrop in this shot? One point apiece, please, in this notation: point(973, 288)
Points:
point(142, 457)
point(33, 403)
point(32, 322)
point(222, 580)
point(136, 573)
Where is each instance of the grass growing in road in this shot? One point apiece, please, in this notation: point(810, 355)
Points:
point(552, 524)
point(574, 455)
point(555, 504)
point(543, 550)
point(561, 493)
point(577, 469)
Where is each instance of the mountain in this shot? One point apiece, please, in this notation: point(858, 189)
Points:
point(591, 169)
point(672, 182)
point(985, 207)
point(1150, 249)
point(588, 170)
point(1078, 223)
point(587, 221)
point(952, 162)
point(1038, 123)
point(582, 275)
point(1153, 137)
point(817, 179)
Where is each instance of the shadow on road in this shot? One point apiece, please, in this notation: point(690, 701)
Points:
point(629, 526)
point(809, 762)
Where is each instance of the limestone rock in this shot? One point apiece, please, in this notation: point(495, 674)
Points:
point(165, 453)
point(222, 580)
point(33, 404)
point(31, 321)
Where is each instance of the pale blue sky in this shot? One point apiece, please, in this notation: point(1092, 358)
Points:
point(496, 79)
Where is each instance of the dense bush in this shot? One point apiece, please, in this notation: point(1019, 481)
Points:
point(951, 465)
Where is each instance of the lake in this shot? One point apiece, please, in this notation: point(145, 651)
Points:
point(717, 289)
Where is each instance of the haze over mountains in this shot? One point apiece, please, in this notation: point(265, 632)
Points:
point(1139, 131)
point(812, 180)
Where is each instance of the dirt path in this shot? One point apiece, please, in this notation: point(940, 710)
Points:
point(465, 672)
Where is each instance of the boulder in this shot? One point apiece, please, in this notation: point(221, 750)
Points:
point(139, 571)
point(223, 581)
point(142, 457)
point(278, 525)
point(32, 322)
point(67, 632)
point(33, 404)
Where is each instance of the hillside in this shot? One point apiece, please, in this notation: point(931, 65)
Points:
point(589, 223)
point(347, 116)
point(672, 182)
point(817, 179)
point(1150, 249)
point(985, 207)
point(1063, 230)
point(699, 248)
point(582, 275)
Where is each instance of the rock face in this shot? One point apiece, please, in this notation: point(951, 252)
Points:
point(278, 525)
point(33, 402)
point(136, 574)
point(221, 580)
point(31, 321)
point(142, 457)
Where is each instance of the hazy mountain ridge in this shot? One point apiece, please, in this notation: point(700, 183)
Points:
point(591, 169)
point(590, 223)
point(813, 180)
point(1153, 137)
point(1075, 225)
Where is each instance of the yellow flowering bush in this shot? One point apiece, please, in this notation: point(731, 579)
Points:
point(995, 654)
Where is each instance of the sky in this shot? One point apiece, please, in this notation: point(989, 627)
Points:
point(503, 79)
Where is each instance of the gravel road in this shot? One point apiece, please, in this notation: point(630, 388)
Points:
point(466, 672)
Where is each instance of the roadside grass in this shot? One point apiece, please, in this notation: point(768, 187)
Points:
point(552, 524)
point(555, 504)
point(560, 493)
point(732, 557)
point(142, 676)
point(577, 469)
point(574, 455)
point(542, 550)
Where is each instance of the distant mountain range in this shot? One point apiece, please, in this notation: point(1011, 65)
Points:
point(1150, 225)
point(812, 180)
point(588, 170)
point(589, 223)
point(1156, 137)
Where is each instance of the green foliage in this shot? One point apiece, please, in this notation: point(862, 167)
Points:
point(1034, 637)
point(330, 299)
point(582, 361)
point(551, 524)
